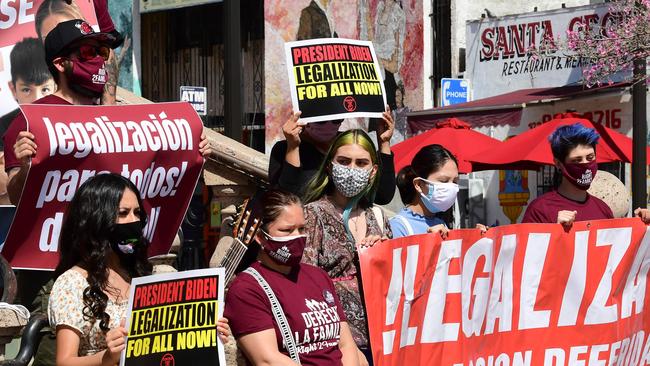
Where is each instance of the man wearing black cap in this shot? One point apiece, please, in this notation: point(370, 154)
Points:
point(75, 55)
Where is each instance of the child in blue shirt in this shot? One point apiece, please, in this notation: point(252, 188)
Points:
point(428, 186)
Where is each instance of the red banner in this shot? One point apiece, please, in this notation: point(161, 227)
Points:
point(154, 145)
point(529, 294)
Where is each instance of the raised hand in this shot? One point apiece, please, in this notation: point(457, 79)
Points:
point(292, 129)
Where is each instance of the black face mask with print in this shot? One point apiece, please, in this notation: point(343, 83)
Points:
point(125, 237)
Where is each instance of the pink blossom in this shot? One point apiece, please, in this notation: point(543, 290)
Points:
point(612, 47)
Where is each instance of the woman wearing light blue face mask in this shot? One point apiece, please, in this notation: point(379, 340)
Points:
point(428, 186)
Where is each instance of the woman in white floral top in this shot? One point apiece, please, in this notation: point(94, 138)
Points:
point(101, 249)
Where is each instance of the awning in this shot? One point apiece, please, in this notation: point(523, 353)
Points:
point(454, 135)
point(503, 109)
point(529, 150)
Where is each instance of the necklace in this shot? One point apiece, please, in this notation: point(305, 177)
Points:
point(357, 230)
point(356, 227)
point(118, 285)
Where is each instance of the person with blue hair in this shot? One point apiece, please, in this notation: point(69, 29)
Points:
point(574, 155)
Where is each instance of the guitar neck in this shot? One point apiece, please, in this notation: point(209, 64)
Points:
point(232, 258)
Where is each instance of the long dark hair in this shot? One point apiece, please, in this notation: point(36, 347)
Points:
point(89, 219)
point(428, 160)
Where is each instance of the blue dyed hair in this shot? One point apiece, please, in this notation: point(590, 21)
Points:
point(566, 138)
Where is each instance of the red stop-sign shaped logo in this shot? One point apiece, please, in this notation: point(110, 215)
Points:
point(167, 360)
point(349, 104)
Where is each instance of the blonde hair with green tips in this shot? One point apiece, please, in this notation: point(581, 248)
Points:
point(322, 184)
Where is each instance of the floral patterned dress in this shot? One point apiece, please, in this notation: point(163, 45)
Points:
point(66, 308)
point(330, 248)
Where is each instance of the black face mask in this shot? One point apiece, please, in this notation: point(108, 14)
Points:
point(125, 237)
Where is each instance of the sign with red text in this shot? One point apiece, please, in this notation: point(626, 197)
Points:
point(527, 294)
point(172, 319)
point(154, 145)
point(498, 58)
point(334, 78)
point(17, 21)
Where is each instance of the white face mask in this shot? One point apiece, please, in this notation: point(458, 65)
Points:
point(440, 196)
point(349, 181)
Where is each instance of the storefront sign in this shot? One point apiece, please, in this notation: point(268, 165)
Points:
point(498, 58)
point(454, 91)
point(197, 96)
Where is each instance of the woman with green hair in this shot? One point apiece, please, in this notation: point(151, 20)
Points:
point(340, 218)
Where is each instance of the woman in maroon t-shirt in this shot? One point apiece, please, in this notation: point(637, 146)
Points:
point(282, 311)
point(574, 154)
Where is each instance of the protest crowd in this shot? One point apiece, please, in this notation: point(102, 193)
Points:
point(300, 293)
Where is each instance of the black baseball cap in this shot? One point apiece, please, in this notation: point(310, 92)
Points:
point(67, 33)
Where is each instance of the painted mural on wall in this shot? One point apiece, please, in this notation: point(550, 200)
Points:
point(394, 27)
point(513, 192)
point(122, 13)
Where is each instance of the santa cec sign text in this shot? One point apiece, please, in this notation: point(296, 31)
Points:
point(528, 294)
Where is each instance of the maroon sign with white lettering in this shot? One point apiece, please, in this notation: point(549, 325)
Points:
point(154, 145)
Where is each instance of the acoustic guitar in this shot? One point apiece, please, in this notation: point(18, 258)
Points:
point(246, 223)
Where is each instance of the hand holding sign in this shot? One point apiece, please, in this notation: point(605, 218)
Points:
point(334, 78)
point(644, 214)
point(25, 147)
point(115, 342)
point(291, 130)
point(385, 130)
point(204, 146)
point(566, 218)
point(223, 329)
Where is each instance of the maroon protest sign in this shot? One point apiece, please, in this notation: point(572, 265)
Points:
point(154, 145)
